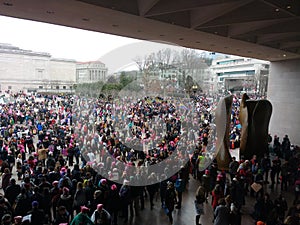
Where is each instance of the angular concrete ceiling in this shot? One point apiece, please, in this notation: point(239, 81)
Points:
point(264, 29)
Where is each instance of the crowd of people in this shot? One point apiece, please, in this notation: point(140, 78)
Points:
point(72, 160)
point(277, 171)
point(256, 179)
point(42, 136)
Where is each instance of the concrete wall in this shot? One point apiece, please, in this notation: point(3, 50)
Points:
point(284, 94)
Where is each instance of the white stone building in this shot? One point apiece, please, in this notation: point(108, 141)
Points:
point(28, 71)
point(89, 72)
point(240, 74)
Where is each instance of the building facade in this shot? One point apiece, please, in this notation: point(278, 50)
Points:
point(241, 74)
point(89, 72)
point(29, 71)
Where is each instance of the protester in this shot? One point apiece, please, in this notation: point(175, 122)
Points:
point(101, 216)
point(62, 216)
point(101, 134)
point(37, 215)
point(200, 199)
point(221, 213)
point(12, 191)
point(170, 201)
point(82, 217)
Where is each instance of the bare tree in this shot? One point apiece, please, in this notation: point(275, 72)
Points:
point(186, 63)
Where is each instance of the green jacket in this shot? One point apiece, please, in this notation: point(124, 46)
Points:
point(81, 219)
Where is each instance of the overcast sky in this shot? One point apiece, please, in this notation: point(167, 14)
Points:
point(71, 43)
point(59, 41)
point(81, 45)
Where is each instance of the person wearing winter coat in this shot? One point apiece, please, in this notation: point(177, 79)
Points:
point(6, 178)
point(12, 191)
point(217, 194)
point(179, 186)
point(152, 188)
point(37, 215)
point(235, 216)
point(66, 200)
point(125, 196)
point(281, 207)
point(101, 216)
point(170, 200)
point(221, 213)
point(113, 206)
point(62, 216)
point(82, 217)
point(206, 183)
point(79, 197)
point(200, 199)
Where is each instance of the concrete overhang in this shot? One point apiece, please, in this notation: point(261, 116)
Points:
point(262, 29)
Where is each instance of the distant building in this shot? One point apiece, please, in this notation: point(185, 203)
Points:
point(89, 72)
point(29, 71)
point(178, 73)
point(241, 74)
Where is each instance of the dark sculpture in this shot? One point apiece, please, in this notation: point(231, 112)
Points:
point(254, 117)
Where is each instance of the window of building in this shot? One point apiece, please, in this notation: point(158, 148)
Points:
point(9, 87)
point(40, 87)
point(64, 87)
point(57, 87)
